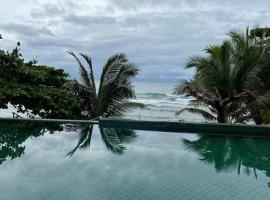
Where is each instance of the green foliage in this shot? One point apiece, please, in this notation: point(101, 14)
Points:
point(232, 81)
point(35, 89)
point(260, 32)
point(115, 89)
point(266, 116)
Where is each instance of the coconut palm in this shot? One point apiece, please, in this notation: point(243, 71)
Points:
point(213, 84)
point(252, 60)
point(227, 81)
point(112, 97)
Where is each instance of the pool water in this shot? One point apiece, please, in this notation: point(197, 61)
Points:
point(52, 161)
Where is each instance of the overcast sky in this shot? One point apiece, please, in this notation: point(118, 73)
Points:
point(157, 35)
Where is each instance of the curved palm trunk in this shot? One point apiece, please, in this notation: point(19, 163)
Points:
point(256, 116)
point(221, 115)
point(220, 111)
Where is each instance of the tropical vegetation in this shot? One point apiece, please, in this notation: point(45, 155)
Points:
point(112, 97)
point(35, 89)
point(46, 92)
point(231, 84)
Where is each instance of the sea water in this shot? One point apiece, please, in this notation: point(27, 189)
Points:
point(160, 103)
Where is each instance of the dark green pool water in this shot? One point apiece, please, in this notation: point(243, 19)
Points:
point(41, 162)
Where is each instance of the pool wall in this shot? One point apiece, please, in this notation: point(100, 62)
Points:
point(166, 126)
point(188, 127)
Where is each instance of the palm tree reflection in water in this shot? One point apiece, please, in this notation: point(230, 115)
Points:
point(114, 139)
point(13, 135)
point(228, 154)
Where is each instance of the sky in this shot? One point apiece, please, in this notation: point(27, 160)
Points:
point(158, 36)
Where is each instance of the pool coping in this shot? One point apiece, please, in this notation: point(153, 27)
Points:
point(188, 127)
point(49, 120)
point(165, 126)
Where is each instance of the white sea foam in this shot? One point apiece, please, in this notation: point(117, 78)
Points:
point(161, 105)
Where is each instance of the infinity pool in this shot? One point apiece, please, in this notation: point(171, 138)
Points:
point(52, 161)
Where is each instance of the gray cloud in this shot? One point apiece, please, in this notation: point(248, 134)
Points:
point(89, 20)
point(25, 30)
point(157, 35)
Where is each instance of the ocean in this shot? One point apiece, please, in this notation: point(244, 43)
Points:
point(161, 104)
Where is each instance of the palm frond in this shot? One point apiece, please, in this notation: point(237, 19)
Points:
point(115, 85)
point(91, 73)
point(182, 87)
point(262, 101)
point(111, 62)
point(198, 111)
point(196, 103)
point(83, 72)
point(213, 50)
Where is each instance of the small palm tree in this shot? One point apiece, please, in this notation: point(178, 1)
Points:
point(230, 81)
point(213, 85)
point(112, 97)
point(252, 54)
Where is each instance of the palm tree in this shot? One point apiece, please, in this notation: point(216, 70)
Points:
point(213, 85)
point(252, 60)
point(112, 97)
point(227, 81)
